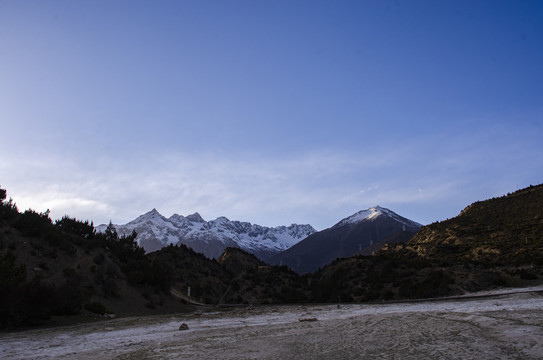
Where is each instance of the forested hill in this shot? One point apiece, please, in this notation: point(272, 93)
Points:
point(500, 231)
point(65, 268)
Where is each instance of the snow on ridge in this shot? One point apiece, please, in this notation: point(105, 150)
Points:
point(373, 213)
point(185, 229)
point(362, 215)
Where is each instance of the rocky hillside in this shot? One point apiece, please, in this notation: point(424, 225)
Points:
point(499, 231)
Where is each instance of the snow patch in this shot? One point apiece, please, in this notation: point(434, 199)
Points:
point(193, 228)
point(372, 214)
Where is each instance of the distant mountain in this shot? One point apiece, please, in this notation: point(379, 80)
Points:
point(361, 233)
point(211, 237)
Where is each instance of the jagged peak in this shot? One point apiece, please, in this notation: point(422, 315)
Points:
point(195, 217)
point(221, 219)
point(150, 214)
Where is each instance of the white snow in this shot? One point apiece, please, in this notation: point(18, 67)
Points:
point(183, 229)
point(372, 214)
point(250, 237)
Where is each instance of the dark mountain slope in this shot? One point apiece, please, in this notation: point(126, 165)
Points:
point(237, 277)
point(361, 233)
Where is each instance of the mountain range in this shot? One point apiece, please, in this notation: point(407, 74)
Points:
point(300, 247)
point(211, 237)
point(66, 268)
point(361, 233)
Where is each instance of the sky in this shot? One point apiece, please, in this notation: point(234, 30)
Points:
point(271, 112)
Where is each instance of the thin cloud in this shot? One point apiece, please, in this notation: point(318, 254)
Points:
point(427, 180)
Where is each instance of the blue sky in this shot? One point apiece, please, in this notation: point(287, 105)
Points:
point(272, 112)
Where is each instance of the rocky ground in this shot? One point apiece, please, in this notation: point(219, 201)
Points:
point(506, 326)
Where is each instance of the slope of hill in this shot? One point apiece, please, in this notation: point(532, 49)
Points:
point(64, 268)
point(236, 277)
point(492, 243)
point(211, 237)
point(500, 231)
point(361, 233)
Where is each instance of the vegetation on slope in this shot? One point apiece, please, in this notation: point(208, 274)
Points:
point(58, 268)
point(64, 267)
point(496, 232)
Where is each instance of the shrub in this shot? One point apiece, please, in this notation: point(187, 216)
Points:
point(527, 275)
point(110, 287)
point(96, 307)
point(99, 259)
point(32, 223)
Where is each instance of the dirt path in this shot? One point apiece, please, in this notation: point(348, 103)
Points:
point(504, 327)
point(179, 295)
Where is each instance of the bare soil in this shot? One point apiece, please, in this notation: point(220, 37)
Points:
point(497, 327)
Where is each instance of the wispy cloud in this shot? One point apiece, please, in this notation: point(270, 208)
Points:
point(426, 180)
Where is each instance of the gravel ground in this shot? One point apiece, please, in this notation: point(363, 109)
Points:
point(499, 327)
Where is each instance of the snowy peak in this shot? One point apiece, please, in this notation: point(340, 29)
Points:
point(372, 214)
point(152, 215)
point(361, 233)
point(195, 218)
point(211, 237)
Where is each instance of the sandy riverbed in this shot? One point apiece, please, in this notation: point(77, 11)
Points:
point(501, 327)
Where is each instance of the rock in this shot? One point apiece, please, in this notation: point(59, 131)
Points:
point(183, 326)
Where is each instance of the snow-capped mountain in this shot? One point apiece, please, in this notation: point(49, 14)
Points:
point(361, 233)
point(211, 237)
point(372, 213)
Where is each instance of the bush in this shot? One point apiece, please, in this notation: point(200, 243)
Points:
point(99, 259)
point(82, 229)
point(527, 275)
point(69, 299)
point(96, 307)
point(110, 287)
point(32, 223)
